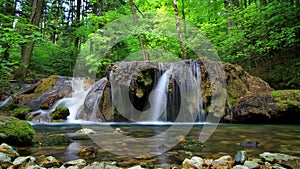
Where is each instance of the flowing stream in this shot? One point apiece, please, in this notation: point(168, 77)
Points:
point(226, 140)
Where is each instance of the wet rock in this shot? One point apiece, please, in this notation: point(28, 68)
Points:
point(71, 167)
point(88, 153)
point(240, 167)
point(49, 161)
point(194, 162)
point(85, 131)
point(24, 162)
point(74, 136)
point(249, 144)
point(91, 102)
point(36, 167)
point(80, 163)
point(8, 150)
point(18, 132)
point(251, 165)
point(5, 161)
point(207, 163)
point(224, 162)
point(277, 167)
point(3, 136)
point(60, 113)
point(240, 157)
point(283, 159)
point(102, 165)
point(136, 167)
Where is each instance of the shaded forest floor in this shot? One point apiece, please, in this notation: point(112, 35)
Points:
point(281, 69)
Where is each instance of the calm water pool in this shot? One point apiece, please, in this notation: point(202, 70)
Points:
point(121, 142)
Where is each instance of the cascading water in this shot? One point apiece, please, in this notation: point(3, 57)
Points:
point(158, 99)
point(4, 102)
point(89, 109)
point(173, 94)
point(175, 97)
point(73, 103)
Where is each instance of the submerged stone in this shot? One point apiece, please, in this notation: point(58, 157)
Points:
point(85, 131)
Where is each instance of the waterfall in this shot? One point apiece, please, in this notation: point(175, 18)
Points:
point(158, 99)
point(4, 102)
point(73, 103)
point(89, 109)
point(169, 92)
point(188, 79)
point(79, 94)
point(175, 97)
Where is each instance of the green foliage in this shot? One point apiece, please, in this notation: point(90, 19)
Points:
point(241, 34)
point(18, 132)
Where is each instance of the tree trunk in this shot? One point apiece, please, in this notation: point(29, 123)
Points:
point(183, 17)
point(58, 13)
point(77, 23)
point(26, 49)
point(178, 30)
point(137, 25)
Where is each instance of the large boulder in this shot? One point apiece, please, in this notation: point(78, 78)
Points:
point(279, 106)
point(46, 92)
point(241, 88)
point(17, 132)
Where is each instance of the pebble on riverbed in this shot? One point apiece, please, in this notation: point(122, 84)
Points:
point(10, 159)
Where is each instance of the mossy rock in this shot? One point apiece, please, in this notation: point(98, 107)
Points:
point(55, 141)
point(21, 112)
point(46, 84)
point(287, 99)
point(18, 132)
point(60, 113)
point(192, 145)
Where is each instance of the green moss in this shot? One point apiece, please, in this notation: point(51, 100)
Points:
point(60, 113)
point(46, 84)
point(277, 93)
point(287, 98)
point(232, 101)
point(55, 141)
point(18, 132)
point(192, 145)
point(21, 113)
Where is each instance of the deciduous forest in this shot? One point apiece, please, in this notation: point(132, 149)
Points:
point(39, 38)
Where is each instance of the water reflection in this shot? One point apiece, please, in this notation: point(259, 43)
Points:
point(226, 140)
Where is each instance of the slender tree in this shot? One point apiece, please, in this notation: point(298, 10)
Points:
point(26, 49)
point(77, 22)
point(137, 25)
point(178, 30)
